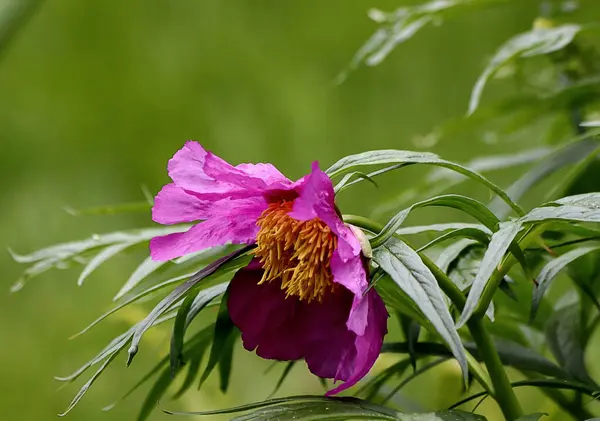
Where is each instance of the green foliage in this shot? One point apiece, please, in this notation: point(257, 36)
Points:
point(446, 283)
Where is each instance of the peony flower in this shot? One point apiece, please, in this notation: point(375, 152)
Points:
point(305, 293)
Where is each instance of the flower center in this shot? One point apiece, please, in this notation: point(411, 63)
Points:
point(296, 252)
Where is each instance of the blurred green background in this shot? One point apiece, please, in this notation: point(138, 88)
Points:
point(97, 95)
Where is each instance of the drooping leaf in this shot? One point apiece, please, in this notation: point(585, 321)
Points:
point(401, 25)
point(538, 41)
point(452, 252)
point(144, 269)
point(499, 244)
point(468, 205)
point(482, 236)
point(564, 333)
point(230, 262)
point(451, 226)
point(411, 330)
point(531, 417)
point(392, 156)
point(313, 408)
point(411, 377)
point(345, 182)
point(372, 387)
point(552, 269)
point(573, 152)
point(221, 352)
point(286, 371)
point(100, 258)
point(406, 268)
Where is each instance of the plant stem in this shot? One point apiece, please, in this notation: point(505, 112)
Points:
point(503, 392)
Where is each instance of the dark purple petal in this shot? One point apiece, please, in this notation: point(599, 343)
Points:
point(366, 347)
point(267, 320)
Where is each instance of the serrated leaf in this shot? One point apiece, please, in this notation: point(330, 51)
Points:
point(226, 263)
point(564, 333)
point(551, 270)
point(392, 156)
point(406, 268)
point(538, 41)
point(499, 244)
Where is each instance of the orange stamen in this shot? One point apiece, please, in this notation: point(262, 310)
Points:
point(297, 253)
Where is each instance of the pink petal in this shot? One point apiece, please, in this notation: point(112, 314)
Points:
point(267, 320)
point(233, 221)
point(367, 346)
point(210, 177)
point(316, 199)
point(173, 205)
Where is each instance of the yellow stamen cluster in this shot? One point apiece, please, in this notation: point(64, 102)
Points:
point(297, 253)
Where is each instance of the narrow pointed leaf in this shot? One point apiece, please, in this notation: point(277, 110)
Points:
point(551, 270)
point(144, 269)
point(100, 258)
point(392, 156)
point(181, 291)
point(405, 267)
point(499, 244)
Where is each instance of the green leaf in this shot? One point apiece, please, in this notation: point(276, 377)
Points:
point(144, 269)
point(531, 417)
point(466, 204)
point(111, 209)
point(61, 255)
point(413, 376)
point(411, 330)
point(551, 270)
point(420, 229)
point(449, 255)
point(392, 156)
point(226, 263)
point(571, 153)
point(401, 25)
point(345, 182)
point(372, 387)
point(286, 371)
point(499, 244)
point(100, 258)
point(481, 236)
point(565, 337)
point(406, 268)
point(538, 41)
point(133, 299)
point(221, 352)
point(14, 15)
point(88, 384)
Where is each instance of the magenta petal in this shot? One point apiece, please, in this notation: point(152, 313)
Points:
point(173, 205)
point(210, 177)
point(232, 222)
point(316, 200)
point(367, 346)
point(267, 320)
